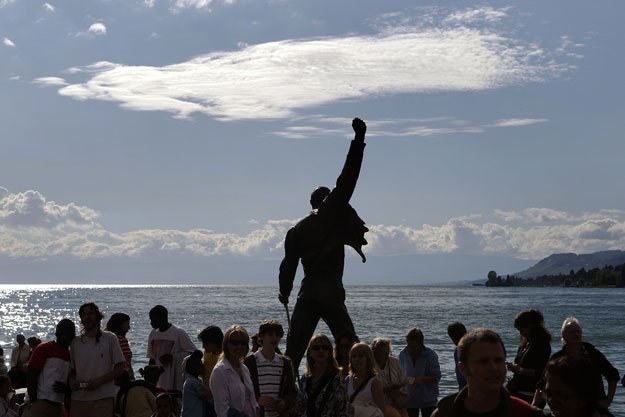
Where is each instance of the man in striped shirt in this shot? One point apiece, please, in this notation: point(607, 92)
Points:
point(272, 373)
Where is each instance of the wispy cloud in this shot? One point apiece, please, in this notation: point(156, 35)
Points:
point(14, 78)
point(517, 122)
point(318, 126)
point(8, 42)
point(33, 227)
point(49, 81)
point(282, 79)
point(48, 7)
point(5, 2)
point(474, 15)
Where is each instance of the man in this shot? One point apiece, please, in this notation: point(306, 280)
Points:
point(212, 339)
point(482, 358)
point(168, 345)
point(272, 374)
point(48, 370)
point(97, 360)
point(455, 331)
point(318, 240)
point(19, 360)
point(421, 363)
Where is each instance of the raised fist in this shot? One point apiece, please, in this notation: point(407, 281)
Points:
point(359, 126)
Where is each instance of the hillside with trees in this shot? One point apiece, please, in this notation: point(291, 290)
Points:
point(608, 276)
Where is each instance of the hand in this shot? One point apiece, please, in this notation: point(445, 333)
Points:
point(166, 359)
point(266, 401)
point(605, 403)
point(284, 299)
point(360, 128)
point(60, 387)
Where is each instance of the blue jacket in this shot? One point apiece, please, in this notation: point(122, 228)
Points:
point(426, 364)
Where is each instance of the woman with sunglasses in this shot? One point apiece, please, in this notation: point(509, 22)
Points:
point(230, 381)
point(323, 391)
point(572, 388)
point(363, 388)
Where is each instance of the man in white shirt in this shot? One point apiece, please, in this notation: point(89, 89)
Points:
point(19, 360)
point(168, 345)
point(97, 360)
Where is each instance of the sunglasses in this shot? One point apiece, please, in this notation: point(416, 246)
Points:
point(320, 347)
point(235, 342)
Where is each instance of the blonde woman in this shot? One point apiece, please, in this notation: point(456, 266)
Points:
point(365, 392)
point(392, 377)
point(230, 381)
point(323, 390)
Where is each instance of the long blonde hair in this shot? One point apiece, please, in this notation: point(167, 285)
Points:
point(364, 349)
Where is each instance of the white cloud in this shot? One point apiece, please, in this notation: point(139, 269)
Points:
point(97, 28)
point(8, 42)
point(149, 3)
point(176, 6)
point(48, 7)
point(517, 122)
point(33, 227)
point(49, 81)
point(14, 78)
point(280, 79)
point(5, 2)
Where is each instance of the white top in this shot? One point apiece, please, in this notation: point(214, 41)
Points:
point(19, 355)
point(177, 343)
point(231, 390)
point(91, 360)
point(365, 396)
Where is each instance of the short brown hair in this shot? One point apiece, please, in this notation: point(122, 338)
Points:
point(270, 326)
point(415, 334)
point(475, 336)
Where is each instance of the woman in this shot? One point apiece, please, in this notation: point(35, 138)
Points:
point(343, 345)
point(574, 346)
point(532, 356)
point(119, 323)
point(571, 388)
point(323, 391)
point(363, 388)
point(230, 381)
point(392, 377)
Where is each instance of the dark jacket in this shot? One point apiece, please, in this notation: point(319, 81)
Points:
point(288, 388)
point(319, 239)
point(509, 406)
point(603, 365)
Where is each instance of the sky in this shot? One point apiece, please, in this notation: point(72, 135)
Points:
point(177, 135)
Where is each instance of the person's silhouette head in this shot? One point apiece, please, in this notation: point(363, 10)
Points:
point(318, 195)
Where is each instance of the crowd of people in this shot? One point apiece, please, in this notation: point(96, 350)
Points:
point(89, 373)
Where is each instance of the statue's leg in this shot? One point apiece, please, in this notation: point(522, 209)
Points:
point(303, 324)
point(338, 320)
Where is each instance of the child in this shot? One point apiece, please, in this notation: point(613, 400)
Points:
point(5, 403)
point(164, 406)
point(194, 395)
point(138, 398)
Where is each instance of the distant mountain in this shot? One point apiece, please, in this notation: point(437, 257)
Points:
point(563, 263)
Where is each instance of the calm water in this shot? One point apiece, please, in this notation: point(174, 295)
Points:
point(376, 311)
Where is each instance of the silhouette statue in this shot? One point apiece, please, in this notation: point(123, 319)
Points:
point(318, 240)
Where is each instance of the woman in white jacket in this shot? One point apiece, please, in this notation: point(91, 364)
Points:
point(230, 380)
